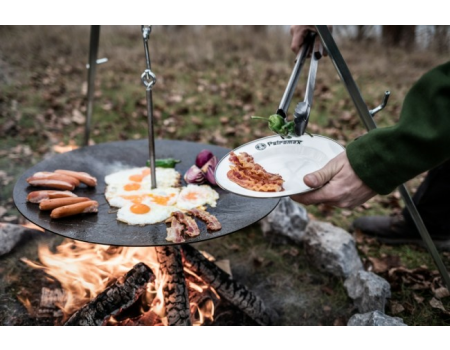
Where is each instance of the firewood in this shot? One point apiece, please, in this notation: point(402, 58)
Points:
point(229, 289)
point(175, 290)
point(121, 295)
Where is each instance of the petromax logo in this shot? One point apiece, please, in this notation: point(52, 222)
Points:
point(261, 146)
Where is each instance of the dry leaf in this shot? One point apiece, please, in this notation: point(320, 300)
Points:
point(418, 298)
point(437, 304)
point(441, 292)
point(396, 308)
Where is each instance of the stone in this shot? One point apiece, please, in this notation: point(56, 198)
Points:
point(10, 235)
point(331, 249)
point(287, 222)
point(368, 291)
point(375, 318)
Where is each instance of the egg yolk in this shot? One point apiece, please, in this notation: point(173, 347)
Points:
point(161, 200)
point(191, 196)
point(139, 177)
point(131, 187)
point(139, 208)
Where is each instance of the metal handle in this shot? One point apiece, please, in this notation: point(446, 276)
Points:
point(300, 61)
point(303, 109)
point(383, 104)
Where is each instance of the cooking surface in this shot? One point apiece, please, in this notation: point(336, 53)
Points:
point(233, 211)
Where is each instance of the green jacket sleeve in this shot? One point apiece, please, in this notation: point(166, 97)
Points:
point(384, 158)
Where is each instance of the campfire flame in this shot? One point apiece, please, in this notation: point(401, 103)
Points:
point(84, 270)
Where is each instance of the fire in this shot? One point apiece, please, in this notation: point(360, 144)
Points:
point(62, 148)
point(84, 270)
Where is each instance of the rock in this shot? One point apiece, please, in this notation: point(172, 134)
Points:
point(10, 235)
point(375, 318)
point(287, 222)
point(368, 291)
point(331, 249)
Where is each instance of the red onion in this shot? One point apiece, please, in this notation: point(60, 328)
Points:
point(203, 157)
point(210, 163)
point(194, 175)
point(209, 176)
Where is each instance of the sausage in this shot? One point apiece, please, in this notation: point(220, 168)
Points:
point(54, 176)
point(74, 209)
point(43, 182)
point(85, 178)
point(39, 196)
point(49, 204)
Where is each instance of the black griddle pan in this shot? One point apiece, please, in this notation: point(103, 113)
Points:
point(233, 211)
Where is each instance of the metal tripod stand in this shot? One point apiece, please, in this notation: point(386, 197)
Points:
point(369, 123)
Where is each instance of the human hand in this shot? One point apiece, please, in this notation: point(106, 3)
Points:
point(341, 187)
point(299, 34)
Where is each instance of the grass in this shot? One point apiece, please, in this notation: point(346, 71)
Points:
point(210, 82)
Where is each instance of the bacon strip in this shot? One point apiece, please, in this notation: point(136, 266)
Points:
point(247, 163)
point(246, 173)
point(210, 220)
point(39, 196)
point(174, 230)
point(191, 228)
point(250, 183)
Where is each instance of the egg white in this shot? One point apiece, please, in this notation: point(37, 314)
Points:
point(194, 196)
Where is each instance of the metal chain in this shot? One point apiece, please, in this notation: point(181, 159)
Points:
point(148, 78)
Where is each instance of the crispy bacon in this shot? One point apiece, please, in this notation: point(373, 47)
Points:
point(246, 163)
point(211, 221)
point(174, 230)
point(246, 173)
point(191, 228)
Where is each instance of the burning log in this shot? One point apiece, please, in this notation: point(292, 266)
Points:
point(175, 290)
point(233, 292)
point(121, 295)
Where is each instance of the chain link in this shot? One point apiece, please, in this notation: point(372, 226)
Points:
point(148, 78)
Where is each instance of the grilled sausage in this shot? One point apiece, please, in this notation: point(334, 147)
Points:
point(49, 204)
point(74, 209)
point(85, 178)
point(39, 196)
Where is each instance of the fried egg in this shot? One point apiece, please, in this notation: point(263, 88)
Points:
point(136, 178)
point(130, 190)
point(144, 213)
point(117, 197)
point(194, 196)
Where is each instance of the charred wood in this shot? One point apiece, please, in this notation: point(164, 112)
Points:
point(175, 291)
point(121, 295)
point(235, 293)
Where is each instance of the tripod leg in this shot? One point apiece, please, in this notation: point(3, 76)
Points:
point(369, 123)
point(93, 49)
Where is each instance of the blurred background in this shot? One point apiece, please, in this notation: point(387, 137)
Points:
point(211, 80)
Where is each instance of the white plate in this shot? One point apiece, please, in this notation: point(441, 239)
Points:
point(291, 158)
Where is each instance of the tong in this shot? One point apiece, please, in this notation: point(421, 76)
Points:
point(303, 109)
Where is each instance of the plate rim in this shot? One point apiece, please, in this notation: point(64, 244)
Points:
point(272, 194)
